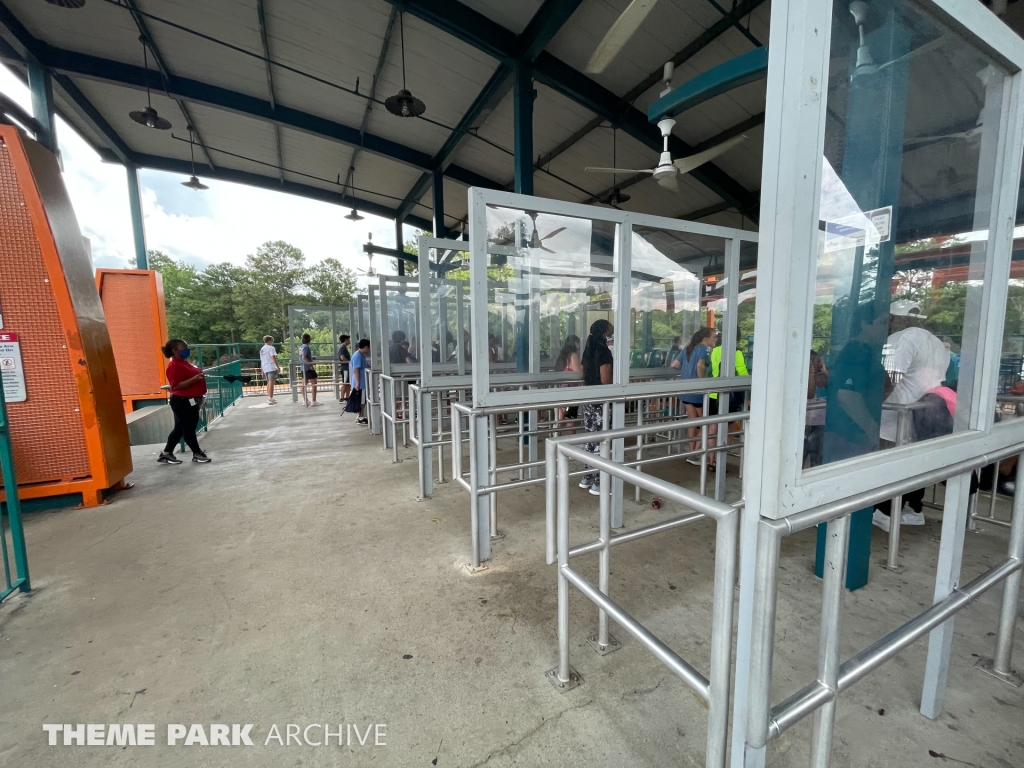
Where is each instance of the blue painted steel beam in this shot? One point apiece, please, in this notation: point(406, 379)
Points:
point(138, 222)
point(273, 183)
point(523, 95)
point(41, 88)
point(728, 75)
point(474, 28)
point(439, 229)
point(488, 98)
point(223, 98)
point(544, 25)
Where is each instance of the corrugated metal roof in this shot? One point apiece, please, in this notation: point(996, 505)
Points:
point(341, 42)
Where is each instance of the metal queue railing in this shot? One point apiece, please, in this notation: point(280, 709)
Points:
point(667, 430)
point(713, 689)
point(765, 722)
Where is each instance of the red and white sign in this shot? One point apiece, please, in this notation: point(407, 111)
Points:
point(11, 368)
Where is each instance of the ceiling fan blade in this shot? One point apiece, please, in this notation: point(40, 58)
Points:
point(920, 49)
point(687, 164)
point(671, 183)
point(553, 232)
point(591, 169)
point(617, 37)
point(547, 250)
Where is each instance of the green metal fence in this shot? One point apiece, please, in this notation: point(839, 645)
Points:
point(218, 361)
point(10, 515)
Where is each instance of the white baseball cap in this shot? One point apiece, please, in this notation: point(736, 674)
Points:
point(906, 308)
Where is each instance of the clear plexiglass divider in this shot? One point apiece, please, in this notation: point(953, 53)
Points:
point(543, 272)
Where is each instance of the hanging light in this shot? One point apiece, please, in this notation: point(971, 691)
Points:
point(194, 182)
point(148, 116)
point(349, 183)
point(67, 3)
point(403, 103)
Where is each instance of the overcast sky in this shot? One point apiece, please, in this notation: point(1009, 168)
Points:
point(224, 223)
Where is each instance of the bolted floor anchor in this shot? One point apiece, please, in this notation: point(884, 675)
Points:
point(1010, 678)
point(575, 680)
point(604, 650)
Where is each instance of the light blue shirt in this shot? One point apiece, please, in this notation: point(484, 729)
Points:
point(359, 364)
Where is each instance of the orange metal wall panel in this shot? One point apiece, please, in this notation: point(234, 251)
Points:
point(133, 321)
point(47, 429)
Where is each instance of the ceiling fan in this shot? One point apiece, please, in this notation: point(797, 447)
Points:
point(970, 133)
point(621, 31)
point(668, 171)
point(536, 239)
point(367, 272)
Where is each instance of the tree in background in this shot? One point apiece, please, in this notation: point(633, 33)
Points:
point(412, 248)
point(227, 303)
point(330, 284)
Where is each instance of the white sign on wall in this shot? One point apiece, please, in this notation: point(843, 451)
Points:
point(11, 368)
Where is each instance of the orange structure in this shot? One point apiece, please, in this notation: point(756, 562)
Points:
point(67, 422)
point(133, 303)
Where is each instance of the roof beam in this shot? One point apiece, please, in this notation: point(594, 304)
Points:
point(690, 50)
point(261, 17)
point(14, 111)
point(562, 78)
point(544, 25)
point(490, 37)
point(174, 165)
point(198, 92)
point(165, 73)
point(79, 104)
point(373, 86)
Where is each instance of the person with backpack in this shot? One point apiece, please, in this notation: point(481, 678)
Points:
point(360, 367)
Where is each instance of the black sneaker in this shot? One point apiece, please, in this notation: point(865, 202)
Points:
point(201, 458)
point(167, 458)
point(362, 421)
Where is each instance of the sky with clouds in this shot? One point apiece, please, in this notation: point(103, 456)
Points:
point(224, 223)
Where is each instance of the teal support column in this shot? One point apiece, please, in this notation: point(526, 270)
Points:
point(522, 102)
point(399, 245)
point(41, 86)
point(138, 226)
point(437, 186)
point(523, 96)
point(872, 160)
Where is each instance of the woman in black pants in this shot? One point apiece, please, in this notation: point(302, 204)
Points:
point(188, 388)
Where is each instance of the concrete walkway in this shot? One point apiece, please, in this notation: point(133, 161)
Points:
point(296, 580)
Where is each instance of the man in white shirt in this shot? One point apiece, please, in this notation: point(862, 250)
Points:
point(916, 362)
point(268, 362)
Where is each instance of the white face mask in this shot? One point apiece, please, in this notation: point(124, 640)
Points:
point(609, 339)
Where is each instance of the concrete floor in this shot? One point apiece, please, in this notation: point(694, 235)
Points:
point(297, 580)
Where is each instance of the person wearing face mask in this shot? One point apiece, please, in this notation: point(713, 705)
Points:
point(188, 388)
point(597, 369)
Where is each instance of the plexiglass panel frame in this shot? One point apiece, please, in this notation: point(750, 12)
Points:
point(484, 378)
point(451, 294)
point(794, 142)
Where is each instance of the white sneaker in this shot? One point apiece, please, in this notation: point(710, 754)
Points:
point(693, 460)
point(586, 482)
point(315, 404)
point(595, 489)
point(909, 517)
point(271, 401)
point(881, 520)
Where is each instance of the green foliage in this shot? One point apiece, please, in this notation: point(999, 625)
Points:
point(228, 303)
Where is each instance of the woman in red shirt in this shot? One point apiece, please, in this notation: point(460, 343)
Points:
point(188, 386)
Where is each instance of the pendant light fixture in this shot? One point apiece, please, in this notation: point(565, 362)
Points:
point(349, 184)
point(194, 182)
point(403, 103)
point(148, 116)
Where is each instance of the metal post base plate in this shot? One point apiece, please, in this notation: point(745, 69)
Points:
point(1011, 678)
point(575, 680)
point(471, 569)
point(497, 535)
point(604, 650)
point(897, 569)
